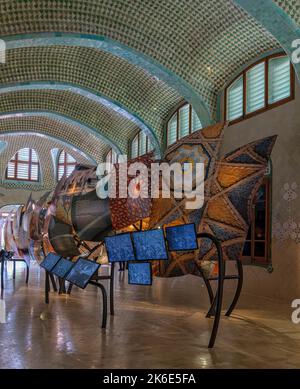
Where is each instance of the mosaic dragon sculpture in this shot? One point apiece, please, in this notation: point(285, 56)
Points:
point(73, 220)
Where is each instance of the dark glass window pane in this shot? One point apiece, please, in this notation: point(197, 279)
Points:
point(247, 249)
point(259, 249)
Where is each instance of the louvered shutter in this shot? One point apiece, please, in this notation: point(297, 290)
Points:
point(279, 79)
point(255, 81)
point(172, 130)
point(235, 100)
point(196, 123)
point(184, 115)
point(143, 143)
point(134, 147)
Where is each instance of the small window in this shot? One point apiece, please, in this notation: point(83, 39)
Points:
point(140, 145)
point(184, 122)
point(260, 87)
point(66, 164)
point(24, 166)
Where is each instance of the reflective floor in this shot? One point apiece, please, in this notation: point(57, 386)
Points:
point(162, 326)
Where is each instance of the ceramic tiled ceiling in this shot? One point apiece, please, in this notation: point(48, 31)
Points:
point(291, 7)
point(75, 106)
point(43, 147)
point(100, 72)
point(203, 42)
point(58, 129)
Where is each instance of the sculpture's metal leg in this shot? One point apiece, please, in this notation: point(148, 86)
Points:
point(219, 293)
point(111, 289)
point(238, 288)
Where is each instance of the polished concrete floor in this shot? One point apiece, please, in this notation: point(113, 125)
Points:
point(162, 326)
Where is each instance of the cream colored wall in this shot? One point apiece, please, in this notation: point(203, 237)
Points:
point(284, 281)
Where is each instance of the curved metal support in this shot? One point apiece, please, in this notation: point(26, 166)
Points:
point(207, 284)
point(2, 271)
point(219, 293)
point(27, 274)
point(238, 288)
point(111, 288)
point(104, 300)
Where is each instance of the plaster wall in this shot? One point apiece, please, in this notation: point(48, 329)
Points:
point(284, 282)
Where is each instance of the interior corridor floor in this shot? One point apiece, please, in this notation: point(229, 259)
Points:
point(162, 326)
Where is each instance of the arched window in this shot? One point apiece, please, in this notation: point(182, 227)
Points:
point(264, 85)
point(183, 122)
point(24, 166)
point(140, 145)
point(66, 164)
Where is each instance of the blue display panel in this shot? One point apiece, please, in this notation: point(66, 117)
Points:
point(150, 245)
point(182, 237)
point(62, 268)
point(119, 248)
point(139, 273)
point(82, 271)
point(50, 261)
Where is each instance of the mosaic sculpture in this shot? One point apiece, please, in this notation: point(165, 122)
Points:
point(73, 220)
point(227, 213)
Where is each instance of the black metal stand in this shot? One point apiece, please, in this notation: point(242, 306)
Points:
point(111, 287)
point(104, 300)
point(217, 301)
point(8, 256)
point(239, 277)
point(14, 260)
point(49, 277)
point(2, 259)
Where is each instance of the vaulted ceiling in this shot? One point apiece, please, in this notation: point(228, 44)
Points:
point(95, 72)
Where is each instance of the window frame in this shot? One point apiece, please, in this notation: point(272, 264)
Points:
point(148, 143)
point(65, 164)
point(30, 163)
point(177, 113)
point(267, 105)
point(251, 259)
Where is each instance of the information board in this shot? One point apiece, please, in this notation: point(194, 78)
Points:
point(50, 261)
point(82, 271)
point(182, 237)
point(119, 248)
point(139, 273)
point(62, 268)
point(150, 245)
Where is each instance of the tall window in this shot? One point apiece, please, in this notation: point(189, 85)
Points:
point(24, 166)
point(111, 157)
point(140, 145)
point(264, 85)
point(182, 123)
point(258, 242)
point(66, 164)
